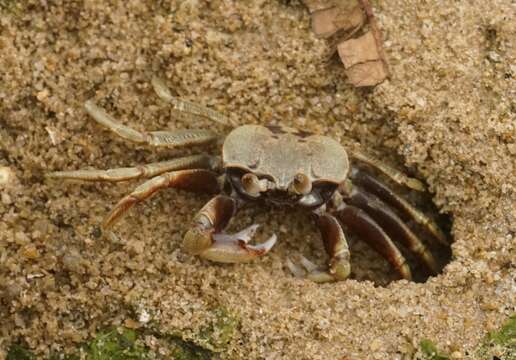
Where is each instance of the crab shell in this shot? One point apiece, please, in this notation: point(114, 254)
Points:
point(280, 153)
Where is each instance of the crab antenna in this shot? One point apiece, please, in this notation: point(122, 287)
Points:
point(187, 107)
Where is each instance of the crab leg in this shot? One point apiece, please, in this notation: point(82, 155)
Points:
point(336, 247)
point(207, 240)
point(184, 106)
point(369, 231)
point(390, 197)
point(197, 180)
point(176, 138)
point(393, 174)
point(392, 224)
point(141, 171)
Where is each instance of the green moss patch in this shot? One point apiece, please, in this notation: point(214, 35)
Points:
point(116, 345)
point(500, 344)
point(121, 344)
point(430, 351)
point(217, 335)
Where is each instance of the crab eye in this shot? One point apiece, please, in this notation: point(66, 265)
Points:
point(301, 184)
point(251, 184)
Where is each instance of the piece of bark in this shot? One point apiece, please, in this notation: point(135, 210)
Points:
point(350, 26)
point(377, 34)
point(367, 74)
point(359, 50)
point(327, 22)
point(316, 5)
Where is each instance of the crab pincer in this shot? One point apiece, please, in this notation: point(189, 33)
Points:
point(207, 239)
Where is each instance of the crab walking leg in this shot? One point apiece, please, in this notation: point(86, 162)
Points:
point(176, 138)
point(141, 171)
point(390, 197)
point(184, 106)
point(395, 175)
point(197, 180)
point(392, 224)
point(369, 231)
point(337, 249)
point(336, 246)
point(206, 239)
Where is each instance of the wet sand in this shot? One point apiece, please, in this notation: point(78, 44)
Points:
point(447, 116)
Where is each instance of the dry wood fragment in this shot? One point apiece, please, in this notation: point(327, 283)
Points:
point(328, 22)
point(315, 5)
point(352, 30)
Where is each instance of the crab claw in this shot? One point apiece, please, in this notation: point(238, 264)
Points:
point(295, 269)
point(233, 248)
point(309, 270)
point(244, 235)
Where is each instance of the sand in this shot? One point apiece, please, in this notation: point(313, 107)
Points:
point(447, 115)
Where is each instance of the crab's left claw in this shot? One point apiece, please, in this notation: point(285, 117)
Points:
point(336, 246)
point(310, 271)
point(207, 239)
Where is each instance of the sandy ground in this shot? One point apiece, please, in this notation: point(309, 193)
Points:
point(447, 114)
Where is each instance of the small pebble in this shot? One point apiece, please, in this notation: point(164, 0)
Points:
point(376, 344)
point(73, 263)
point(136, 247)
point(21, 238)
point(6, 199)
point(131, 324)
point(13, 290)
point(30, 252)
point(6, 175)
point(42, 95)
point(144, 317)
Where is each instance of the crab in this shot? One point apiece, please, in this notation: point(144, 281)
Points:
point(275, 165)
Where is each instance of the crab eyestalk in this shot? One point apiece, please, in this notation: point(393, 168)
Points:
point(252, 185)
point(301, 185)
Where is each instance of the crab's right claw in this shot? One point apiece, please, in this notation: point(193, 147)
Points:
point(232, 248)
point(207, 239)
point(227, 248)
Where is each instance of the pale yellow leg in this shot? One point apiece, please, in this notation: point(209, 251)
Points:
point(393, 174)
point(175, 138)
point(185, 106)
point(142, 171)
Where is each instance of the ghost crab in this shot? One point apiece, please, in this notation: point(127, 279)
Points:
point(277, 165)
